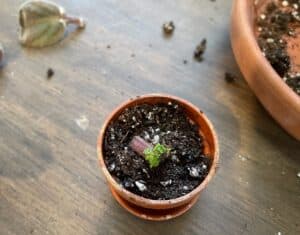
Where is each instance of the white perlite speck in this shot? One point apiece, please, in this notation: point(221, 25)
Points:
point(296, 15)
point(298, 174)
point(263, 16)
point(83, 122)
point(185, 188)
point(285, 3)
point(155, 139)
point(174, 158)
point(193, 172)
point(111, 167)
point(149, 115)
point(140, 186)
point(166, 183)
point(146, 136)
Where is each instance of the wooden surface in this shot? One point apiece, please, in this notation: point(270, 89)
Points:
point(50, 182)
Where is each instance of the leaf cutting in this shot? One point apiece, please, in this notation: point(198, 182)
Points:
point(44, 23)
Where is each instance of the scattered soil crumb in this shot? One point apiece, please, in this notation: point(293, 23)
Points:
point(108, 46)
point(50, 73)
point(168, 27)
point(230, 78)
point(200, 49)
point(185, 61)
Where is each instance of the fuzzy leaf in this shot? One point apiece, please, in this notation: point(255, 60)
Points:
point(35, 12)
point(43, 23)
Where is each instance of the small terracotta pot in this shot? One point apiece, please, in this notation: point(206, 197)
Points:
point(280, 100)
point(161, 209)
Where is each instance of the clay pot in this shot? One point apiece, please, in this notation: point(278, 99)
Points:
point(161, 209)
point(280, 100)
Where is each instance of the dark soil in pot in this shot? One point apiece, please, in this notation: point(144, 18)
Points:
point(277, 23)
point(179, 172)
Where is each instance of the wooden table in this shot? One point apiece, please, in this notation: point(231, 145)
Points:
point(50, 182)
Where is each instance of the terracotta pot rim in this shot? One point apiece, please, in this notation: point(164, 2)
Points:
point(250, 34)
point(140, 199)
point(163, 214)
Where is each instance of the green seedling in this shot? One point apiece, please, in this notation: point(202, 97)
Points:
point(151, 154)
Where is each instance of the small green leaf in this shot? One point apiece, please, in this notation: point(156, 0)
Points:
point(153, 155)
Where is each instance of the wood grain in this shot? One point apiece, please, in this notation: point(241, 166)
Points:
point(50, 182)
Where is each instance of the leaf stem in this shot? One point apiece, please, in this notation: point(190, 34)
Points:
point(74, 20)
point(139, 145)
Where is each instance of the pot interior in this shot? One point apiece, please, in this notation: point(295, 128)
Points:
point(293, 43)
point(193, 113)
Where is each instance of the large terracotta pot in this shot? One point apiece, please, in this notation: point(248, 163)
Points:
point(280, 100)
point(161, 209)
